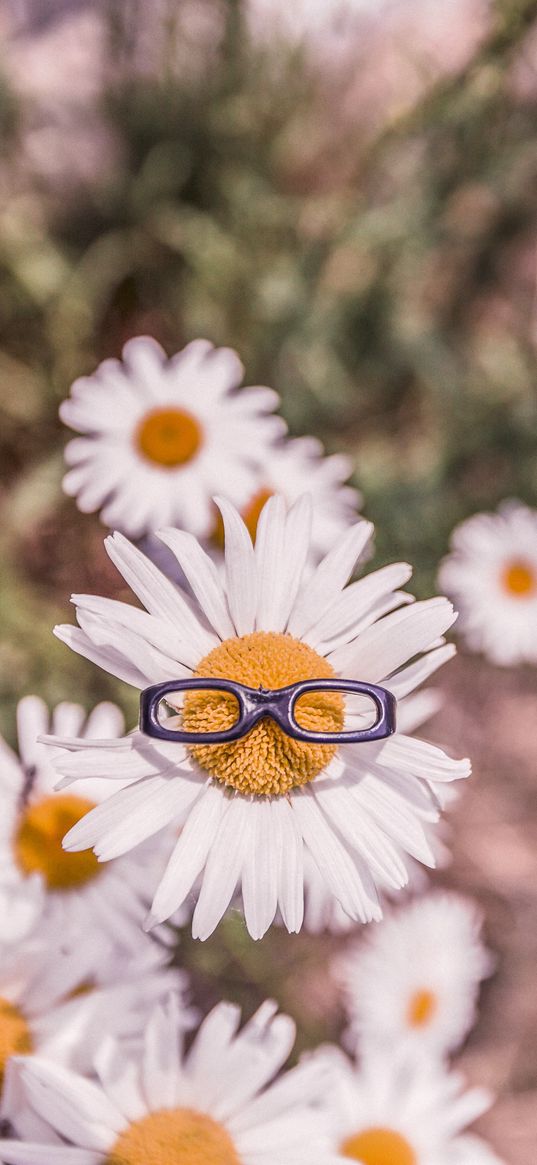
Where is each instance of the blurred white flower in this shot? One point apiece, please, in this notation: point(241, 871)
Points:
point(83, 904)
point(216, 1104)
point(46, 1008)
point(247, 809)
point(397, 1110)
point(491, 575)
point(161, 437)
point(292, 466)
point(414, 981)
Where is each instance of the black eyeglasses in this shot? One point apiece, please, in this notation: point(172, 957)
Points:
point(295, 709)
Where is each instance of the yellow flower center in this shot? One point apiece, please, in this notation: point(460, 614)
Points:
point(38, 842)
point(169, 437)
point(379, 1147)
point(422, 1005)
point(15, 1037)
point(174, 1137)
point(266, 761)
point(250, 516)
point(519, 579)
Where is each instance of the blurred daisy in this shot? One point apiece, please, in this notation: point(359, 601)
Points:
point(248, 808)
point(491, 573)
point(44, 1008)
point(214, 1105)
point(21, 907)
point(161, 436)
point(403, 1111)
point(290, 467)
point(414, 981)
point(78, 898)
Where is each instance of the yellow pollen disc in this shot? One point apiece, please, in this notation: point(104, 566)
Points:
point(267, 761)
point(379, 1147)
point(520, 579)
point(250, 517)
point(174, 1137)
point(15, 1037)
point(422, 1005)
point(169, 437)
point(38, 842)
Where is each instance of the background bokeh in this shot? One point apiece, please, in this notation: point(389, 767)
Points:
point(346, 193)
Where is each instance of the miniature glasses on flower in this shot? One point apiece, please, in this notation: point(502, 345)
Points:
point(216, 711)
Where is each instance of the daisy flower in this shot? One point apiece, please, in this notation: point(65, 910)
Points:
point(215, 1105)
point(46, 1008)
point(403, 1111)
point(248, 809)
point(78, 898)
point(160, 437)
point(414, 981)
point(491, 573)
point(291, 466)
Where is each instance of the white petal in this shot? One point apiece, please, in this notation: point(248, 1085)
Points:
point(356, 599)
point(158, 595)
point(347, 879)
point(153, 630)
point(269, 556)
point(260, 870)
point(14, 1153)
point(76, 1108)
point(241, 576)
point(291, 874)
point(111, 661)
point(320, 593)
point(393, 640)
point(190, 853)
point(161, 1064)
point(409, 678)
point(203, 577)
point(223, 868)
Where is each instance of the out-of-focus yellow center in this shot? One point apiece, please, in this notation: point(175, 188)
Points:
point(38, 842)
point(267, 761)
point(169, 437)
point(15, 1036)
point(174, 1137)
point(422, 1005)
point(377, 1146)
point(250, 516)
point(520, 579)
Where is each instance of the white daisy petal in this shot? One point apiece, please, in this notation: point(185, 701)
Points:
point(223, 868)
point(158, 595)
point(329, 578)
point(269, 553)
point(349, 882)
point(260, 871)
point(75, 1108)
point(289, 845)
point(241, 576)
point(203, 578)
point(387, 644)
point(190, 853)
